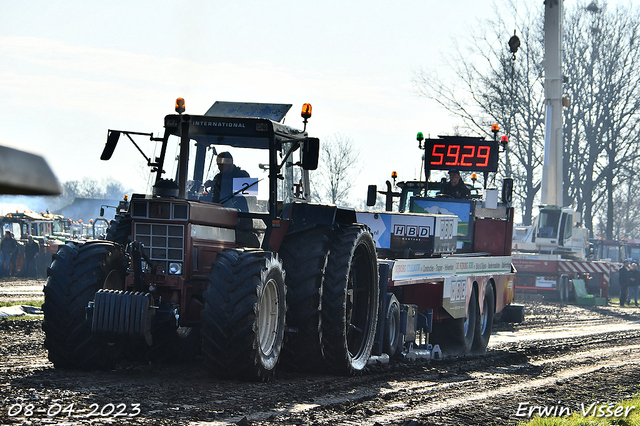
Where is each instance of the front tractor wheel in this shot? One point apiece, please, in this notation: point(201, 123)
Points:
point(244, 312)
point(350, 300)
point(77, 272)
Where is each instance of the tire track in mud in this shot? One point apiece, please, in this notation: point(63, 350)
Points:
point(474, 393)
point(526, 362)
point(462, 382)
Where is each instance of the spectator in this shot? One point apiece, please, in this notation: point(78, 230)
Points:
point(31, 250)
point(623, 279)
point(634, 283)
point(7, 248)
point(14, 257)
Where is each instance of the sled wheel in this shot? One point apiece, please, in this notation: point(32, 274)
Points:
point(244, 312)
point(76, 273)
point(350, 300)
point(392, 342)
point(455, 336)
point(484, 325)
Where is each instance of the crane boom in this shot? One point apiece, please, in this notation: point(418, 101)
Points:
point(553, 147)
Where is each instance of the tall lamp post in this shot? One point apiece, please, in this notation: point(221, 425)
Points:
point(514, 44)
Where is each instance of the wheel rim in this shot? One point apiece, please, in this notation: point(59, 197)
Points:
point(268, 317)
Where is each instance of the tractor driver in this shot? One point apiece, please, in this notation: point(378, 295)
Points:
point(455, 188)
point(222, 184)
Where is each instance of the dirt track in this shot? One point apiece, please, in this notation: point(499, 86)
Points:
point(562, 356)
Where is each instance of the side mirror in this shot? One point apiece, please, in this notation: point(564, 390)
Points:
point(507, 190)
point(372, 195)
point(310, 153)
point(110, 146)
point(101, 211)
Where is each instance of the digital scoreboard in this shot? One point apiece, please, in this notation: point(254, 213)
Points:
point(462, 153)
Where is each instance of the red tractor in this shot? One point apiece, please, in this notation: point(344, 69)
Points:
point(220, 264)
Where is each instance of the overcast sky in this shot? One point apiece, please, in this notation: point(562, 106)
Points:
point(71, 70)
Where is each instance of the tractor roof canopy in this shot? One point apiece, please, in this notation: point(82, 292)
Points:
point(237, 124)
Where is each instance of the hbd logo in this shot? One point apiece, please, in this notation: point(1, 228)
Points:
point(412, 231)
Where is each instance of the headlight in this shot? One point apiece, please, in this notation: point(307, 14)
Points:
point(175, 268)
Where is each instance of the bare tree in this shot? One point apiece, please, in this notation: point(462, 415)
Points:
point(602, 125)
point(337, 170)
point(491, 86)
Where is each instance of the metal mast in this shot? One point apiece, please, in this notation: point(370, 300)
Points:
point(553, 144)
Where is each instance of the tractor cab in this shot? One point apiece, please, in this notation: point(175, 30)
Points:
point(243, 160)
point(410, 189)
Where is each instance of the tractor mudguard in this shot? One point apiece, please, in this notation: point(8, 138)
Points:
point(307, 215)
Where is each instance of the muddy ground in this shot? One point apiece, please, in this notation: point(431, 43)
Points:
point(561, 358)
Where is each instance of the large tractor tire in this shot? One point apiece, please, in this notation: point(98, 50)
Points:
point(243, 319)
point(484, 325)
point(304, 256)
point(119, 230)
point(456, 336)
point(350, 300)
point(76, 273)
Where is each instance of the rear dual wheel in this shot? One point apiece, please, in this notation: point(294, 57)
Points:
point(350, 299)
point(304, 256)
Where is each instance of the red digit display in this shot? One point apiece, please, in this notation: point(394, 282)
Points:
point(483, 152)
point(470, 152)
point(437, 157)
point(453, 154)
point(463, 153)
